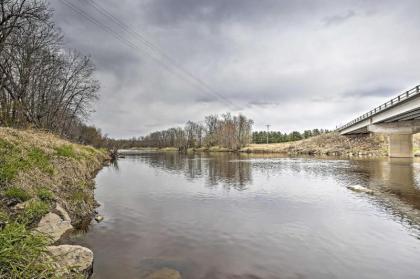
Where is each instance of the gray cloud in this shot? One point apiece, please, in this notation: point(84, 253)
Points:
point(337, 19)
point(292, 64)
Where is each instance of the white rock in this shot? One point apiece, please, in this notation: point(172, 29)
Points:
point(72, 258)
point(53, 226)
point(99, 218)
point(360, 189)
point(62, 212)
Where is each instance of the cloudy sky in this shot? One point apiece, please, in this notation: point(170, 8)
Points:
point(292, 64)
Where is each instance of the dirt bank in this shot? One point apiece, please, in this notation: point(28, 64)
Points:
point(327, 144)
point(40, 172)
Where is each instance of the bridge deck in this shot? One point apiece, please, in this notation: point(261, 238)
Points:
point(362, 121)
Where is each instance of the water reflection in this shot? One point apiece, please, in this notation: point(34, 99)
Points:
point(219, 168)
point(399, 177)
point(244, 216)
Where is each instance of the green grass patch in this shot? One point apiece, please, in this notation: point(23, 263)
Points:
point(66, 151)
point(10, 161)
point(13, 160)
point(33, 212)
point(38, 158)
point(17, 193)
point(4, 217)
point(21, 254)
point(45, 194)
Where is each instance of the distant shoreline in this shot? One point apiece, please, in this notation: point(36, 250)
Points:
point(331, 144)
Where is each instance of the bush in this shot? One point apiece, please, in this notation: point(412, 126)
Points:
point(21, 254)
point(17, 193)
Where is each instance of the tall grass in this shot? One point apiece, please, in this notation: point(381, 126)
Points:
point(22, 254)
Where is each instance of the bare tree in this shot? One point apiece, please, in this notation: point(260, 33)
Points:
point(41, 83)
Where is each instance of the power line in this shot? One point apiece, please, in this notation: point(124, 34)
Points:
point(154, 47)
point(132, 45)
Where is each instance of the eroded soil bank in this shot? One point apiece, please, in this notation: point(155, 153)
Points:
point(46, 190)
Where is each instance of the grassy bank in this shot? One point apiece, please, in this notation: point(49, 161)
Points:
point(40, 169)
point(331, 144)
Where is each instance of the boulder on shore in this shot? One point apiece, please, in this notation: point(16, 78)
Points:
point(62, 212)
point(53, 226)
point(72, 259)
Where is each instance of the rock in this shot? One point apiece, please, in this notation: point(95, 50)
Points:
point(62, 212)
point(99, 218)
point(72, 258)
point(164, 273)
point(22, 205)
point(12, 202)
point(360, 189)
point(53, 226)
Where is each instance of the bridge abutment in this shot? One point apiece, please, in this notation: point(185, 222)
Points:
point(400, 136)
point(401, 145)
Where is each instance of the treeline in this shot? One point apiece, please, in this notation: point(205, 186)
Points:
point(278, 137)
point(42, 84)
point(226, 131)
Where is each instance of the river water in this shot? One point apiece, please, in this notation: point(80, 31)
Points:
point(245, 216)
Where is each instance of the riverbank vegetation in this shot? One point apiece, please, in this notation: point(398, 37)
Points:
point(264, 137)
point(37, 171)
point(224, 132)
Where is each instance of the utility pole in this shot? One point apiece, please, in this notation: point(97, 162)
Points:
point(268, 130)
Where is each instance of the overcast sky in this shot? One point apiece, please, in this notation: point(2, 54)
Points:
point(293, 64)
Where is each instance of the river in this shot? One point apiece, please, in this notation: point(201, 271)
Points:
point(245, 216)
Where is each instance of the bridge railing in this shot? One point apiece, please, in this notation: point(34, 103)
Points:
point(391, 103)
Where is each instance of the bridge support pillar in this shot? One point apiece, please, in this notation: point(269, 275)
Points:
point(401, 145)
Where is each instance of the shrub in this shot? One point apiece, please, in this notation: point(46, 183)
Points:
point(17, 193)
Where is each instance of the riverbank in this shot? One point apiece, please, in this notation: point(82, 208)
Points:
point(46, 190)
point(331, 144)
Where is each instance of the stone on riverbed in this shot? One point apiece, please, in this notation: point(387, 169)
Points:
point(99, 218)
point(53, 226)
point(72, 259)
point(164, 273)
point(360, 189)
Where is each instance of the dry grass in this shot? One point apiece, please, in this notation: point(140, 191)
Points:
point(42, 160)
point(40, 168)
point(327, 144)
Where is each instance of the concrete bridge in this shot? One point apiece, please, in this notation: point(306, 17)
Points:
point(398, 118)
